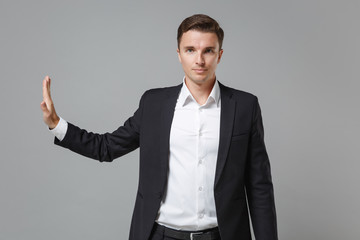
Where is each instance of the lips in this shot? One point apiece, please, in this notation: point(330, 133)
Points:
point(200, 70)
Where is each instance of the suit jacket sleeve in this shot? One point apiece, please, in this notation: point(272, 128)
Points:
point(108, 146)
point(259, 187)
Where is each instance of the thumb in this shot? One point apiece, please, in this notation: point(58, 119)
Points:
point(44, 107)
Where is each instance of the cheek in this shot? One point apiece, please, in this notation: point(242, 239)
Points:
point(186, 63)
point(212, 61)
point(214, 64)
point(185, 67)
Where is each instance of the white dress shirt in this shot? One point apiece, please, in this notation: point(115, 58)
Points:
point(189, 202)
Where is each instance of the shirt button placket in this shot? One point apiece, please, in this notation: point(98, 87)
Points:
point(201, 167)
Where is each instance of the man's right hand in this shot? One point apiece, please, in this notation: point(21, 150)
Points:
point(47, 106)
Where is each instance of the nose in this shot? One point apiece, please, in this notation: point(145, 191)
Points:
point(200, 59)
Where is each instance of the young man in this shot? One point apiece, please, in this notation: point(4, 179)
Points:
point(203, 162)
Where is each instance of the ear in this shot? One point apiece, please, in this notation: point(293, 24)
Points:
point(220, 55)
point(178, 52)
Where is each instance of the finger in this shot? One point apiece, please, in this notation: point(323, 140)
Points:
point(48, 85)
point(46, 91)
point(44, 87)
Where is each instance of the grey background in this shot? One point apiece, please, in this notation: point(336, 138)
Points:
point(301, 58)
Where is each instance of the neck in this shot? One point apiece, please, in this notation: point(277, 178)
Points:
point(201, 91)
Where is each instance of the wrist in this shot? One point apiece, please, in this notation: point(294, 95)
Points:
point(54, 123)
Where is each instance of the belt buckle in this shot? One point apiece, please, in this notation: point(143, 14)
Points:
point(194, 234)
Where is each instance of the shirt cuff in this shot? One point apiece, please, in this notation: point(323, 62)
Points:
point(60, 130)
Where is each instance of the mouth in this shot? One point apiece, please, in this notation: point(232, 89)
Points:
point(199, 70)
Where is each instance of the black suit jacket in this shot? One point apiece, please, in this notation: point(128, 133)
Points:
point(242, 181)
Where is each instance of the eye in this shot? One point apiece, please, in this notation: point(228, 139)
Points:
point(209, 50)
point(189, 50)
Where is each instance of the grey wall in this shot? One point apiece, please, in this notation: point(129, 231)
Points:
point(301, 58)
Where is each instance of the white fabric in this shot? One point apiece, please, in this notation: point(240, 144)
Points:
point(60, 130)
point(189, 202)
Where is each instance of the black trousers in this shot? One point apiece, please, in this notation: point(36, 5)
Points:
point(158, 235)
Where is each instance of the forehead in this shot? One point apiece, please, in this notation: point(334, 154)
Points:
point(199, 39)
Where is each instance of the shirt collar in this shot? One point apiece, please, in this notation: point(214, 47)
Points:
point(185, 95)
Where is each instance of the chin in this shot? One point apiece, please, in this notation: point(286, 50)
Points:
point(199, 79)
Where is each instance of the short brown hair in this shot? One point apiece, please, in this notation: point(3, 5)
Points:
point(202, 23)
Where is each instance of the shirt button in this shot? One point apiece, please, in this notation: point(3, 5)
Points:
point(200, 189)
point(200, 161)
point(201, 215)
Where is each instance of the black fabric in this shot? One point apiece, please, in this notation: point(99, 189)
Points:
point(243, 181)
point(208, 234)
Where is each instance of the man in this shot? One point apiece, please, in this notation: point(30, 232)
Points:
point(203, 162)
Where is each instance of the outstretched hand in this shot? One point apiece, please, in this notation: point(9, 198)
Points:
point(47, 106)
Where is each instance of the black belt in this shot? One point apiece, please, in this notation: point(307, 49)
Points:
point(208, 234)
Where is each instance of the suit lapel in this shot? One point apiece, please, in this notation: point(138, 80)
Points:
point(226, 127)
point(167, 114)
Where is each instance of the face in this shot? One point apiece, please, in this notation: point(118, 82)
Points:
point(199, 55)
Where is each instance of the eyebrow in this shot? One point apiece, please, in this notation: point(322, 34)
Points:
point(189, 47)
